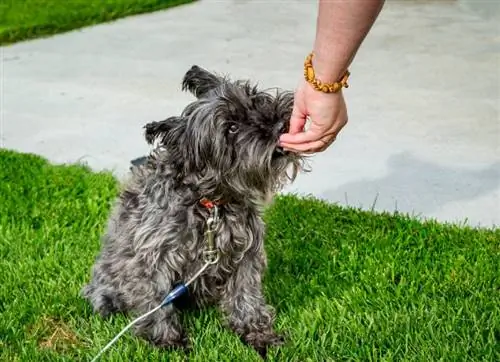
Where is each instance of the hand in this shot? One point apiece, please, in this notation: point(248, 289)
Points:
point(328, 114)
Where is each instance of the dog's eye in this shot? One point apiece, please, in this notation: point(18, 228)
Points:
point(233, 128)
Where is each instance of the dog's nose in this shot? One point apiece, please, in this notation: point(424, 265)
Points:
point(282, 128)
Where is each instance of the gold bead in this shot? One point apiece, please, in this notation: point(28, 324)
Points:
point(310, 73)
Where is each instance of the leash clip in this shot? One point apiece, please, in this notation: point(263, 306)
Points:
point(211, 255)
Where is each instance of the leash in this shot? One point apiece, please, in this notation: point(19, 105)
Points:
point(211, 256)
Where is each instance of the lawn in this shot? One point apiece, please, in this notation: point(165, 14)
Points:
point(27, 19)
point(347, 284)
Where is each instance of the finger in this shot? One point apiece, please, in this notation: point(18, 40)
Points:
point(297, 120)
point(312, 135)
point(302, 137)
point(311, 147)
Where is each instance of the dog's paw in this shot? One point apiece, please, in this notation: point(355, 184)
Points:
point(102, 303)
point(181, 344)
point(262, 341)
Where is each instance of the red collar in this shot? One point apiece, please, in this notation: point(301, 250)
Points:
point(210, 204)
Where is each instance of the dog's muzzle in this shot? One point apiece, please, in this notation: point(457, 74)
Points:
point(281, 129)
point(279, 152)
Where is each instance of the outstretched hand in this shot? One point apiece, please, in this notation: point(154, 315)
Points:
point(327, 113)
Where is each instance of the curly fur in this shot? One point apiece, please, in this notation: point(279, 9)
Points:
point(223, 146)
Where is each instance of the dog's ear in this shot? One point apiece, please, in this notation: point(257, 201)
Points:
point(160, 129)
point(199, 81)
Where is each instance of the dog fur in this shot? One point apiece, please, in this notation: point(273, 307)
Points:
point(222, 147)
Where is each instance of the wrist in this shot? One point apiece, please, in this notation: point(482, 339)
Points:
point(328, 70)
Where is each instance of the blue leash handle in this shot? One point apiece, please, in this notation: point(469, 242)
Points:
point(175, 293)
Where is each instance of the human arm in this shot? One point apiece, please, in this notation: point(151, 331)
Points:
point(341, 27)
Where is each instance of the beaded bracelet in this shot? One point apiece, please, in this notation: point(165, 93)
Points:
point(317, 84)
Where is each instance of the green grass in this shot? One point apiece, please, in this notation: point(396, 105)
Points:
point(347, 284)
point(27, 19)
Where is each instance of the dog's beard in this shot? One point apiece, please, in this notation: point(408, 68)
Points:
point(259, 167)
point(287, 166)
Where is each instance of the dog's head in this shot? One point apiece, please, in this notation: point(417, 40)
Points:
point(229, 135)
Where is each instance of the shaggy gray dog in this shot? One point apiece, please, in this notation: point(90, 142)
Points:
point(222, 148)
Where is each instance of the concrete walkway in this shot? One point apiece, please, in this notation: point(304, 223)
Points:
point(424, 101)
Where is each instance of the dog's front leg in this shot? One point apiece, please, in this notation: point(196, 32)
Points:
point(244, 304)
point(163, 329)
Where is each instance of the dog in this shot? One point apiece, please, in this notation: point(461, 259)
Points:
point(223, 149)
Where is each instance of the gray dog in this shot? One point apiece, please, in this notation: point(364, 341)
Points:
point(222, 153)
